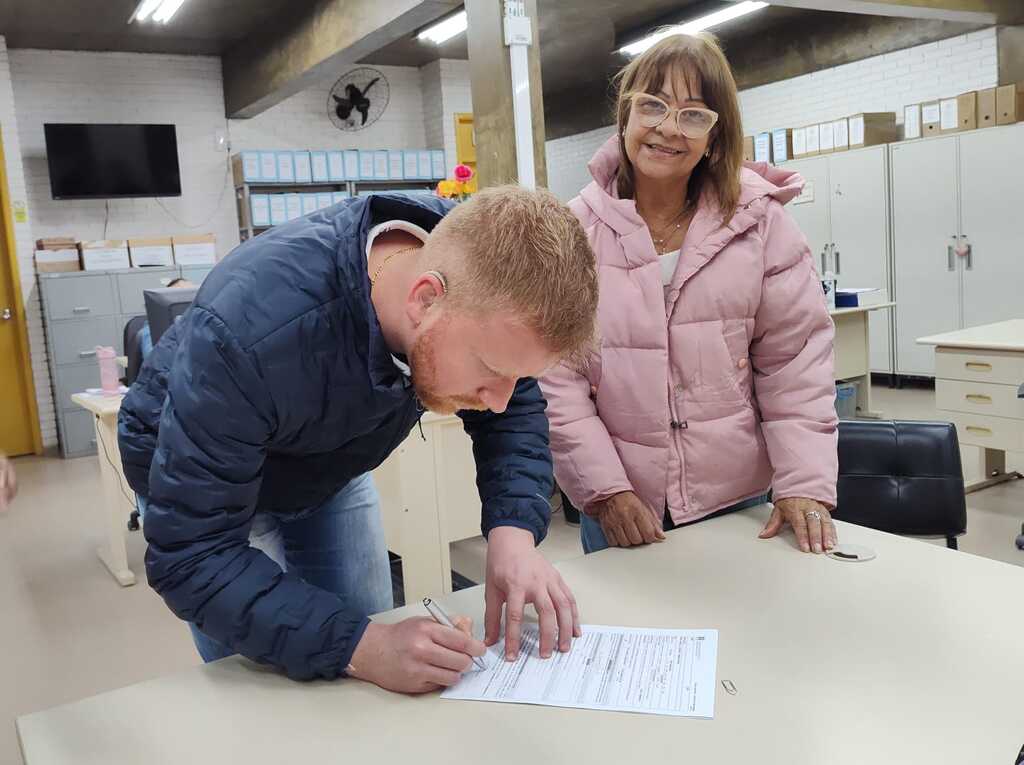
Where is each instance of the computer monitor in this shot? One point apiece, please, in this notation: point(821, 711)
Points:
point(164, 306)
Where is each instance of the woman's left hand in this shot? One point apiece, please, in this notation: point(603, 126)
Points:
point(810, 520)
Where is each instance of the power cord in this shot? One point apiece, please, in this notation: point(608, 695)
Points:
point(216, 210)
point(106, 454)
point(106, 220)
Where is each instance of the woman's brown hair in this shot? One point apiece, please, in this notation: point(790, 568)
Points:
point(700, 59)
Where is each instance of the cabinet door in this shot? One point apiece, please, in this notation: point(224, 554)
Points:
point(991, 206)
point(810, 209)
point(924, 222)
point(860, 230)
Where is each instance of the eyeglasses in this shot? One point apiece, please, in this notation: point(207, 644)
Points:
point(692, 121)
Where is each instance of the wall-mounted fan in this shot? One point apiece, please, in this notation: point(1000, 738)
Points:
point(358, 99)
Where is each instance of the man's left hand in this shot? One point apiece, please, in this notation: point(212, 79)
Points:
point(810, 519)
point(518, 574)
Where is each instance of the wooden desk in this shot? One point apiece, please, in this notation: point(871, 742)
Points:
point(909, 658)
point(977, 374)
point(853, 352)
point(115, 512)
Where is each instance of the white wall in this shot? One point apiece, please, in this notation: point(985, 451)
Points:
point(567, 160)
point(884, 83)
point(23, 241)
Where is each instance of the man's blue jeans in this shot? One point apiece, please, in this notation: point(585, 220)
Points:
point(340, 548)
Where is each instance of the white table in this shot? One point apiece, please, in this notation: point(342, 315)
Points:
point(977, 374)
point(910, 658)
point(116, 492)
point(853, 352)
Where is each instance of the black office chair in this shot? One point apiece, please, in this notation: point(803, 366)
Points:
point(132, 349)
point(902, 477)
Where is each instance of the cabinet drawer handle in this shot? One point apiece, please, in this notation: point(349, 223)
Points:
point(978, 431)
point(86, 354)
point(978, 366)
point(978, 398)
point(81, 309)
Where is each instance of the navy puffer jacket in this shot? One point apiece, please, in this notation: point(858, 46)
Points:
point(271, 393)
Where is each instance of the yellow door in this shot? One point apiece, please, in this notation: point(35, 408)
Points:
point(465, 145)
point(19, 422)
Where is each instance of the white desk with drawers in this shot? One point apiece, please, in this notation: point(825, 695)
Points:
point(977, 374)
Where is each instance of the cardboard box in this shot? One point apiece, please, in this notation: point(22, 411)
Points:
point(931, 118)
point(763, 147)
point(285, 167)
point(967, 110)
point(53, 261)
point(826, 138)
point(366, 165)
point(268, 166)
point(799, 142)
point(1010, 104)
point(351, 159)
point(336, 167)
point(195, 249)
point(293, 206)
point(309, 204)
point(259, 210)
point(303, 167)
point(841, 134)
point(57, 243)
point(104, 254)
point(872, 129)
point(949, 115)
point(246, 166)
point(278, 210)
point(321, 172)
point(411, 165)
point(748, 148)
point(986, 114)
point(423, 157)
point(911, 122)
point(782, 145)
point(396, 166)
point(813, 140)
point(381, 164)
point(156, 251)
point(438, 166)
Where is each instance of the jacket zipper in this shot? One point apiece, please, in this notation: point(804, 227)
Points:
point(677, 426)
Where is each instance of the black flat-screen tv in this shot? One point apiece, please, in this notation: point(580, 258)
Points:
point(108, 161)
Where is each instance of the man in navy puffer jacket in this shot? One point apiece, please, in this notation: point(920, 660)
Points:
point(307, 357)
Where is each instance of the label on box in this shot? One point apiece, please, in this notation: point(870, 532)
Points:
point(911, 122)
point(813, 138)
point(763, 147)
point(278, 210)
point(381, 166)
point(259, 204)
point(437, 164)
point(396, 169)
point(336, 165)
point(826, 138)
point(268, 166)
point(352, 164)
point(293, 205)
point(324, 199)
point(411, 164)
point(931, 114)
point(799, 141)
point(303, 167)
point(250, 166)
point(841, 133)
point(308, 204)
point(366, 165)
point(949, 115)
point(780, 145)
point(318, 161)
point(285, 167)
point(197, 254)
point(152, 255)
point(857, 131)
point(423, 160)
point(105, 259)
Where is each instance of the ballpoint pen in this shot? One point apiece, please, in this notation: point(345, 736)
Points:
point(442, 618)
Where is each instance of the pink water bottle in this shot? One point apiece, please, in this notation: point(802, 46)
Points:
point(108, 370)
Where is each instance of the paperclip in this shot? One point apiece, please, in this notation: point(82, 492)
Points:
point(730, 688)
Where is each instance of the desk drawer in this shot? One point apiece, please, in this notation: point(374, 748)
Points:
point(79, 297)
point(1003, 367)
point(988, 432)
point(979, 398)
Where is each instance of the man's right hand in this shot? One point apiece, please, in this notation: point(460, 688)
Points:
point(417, 655)
point(626, 522)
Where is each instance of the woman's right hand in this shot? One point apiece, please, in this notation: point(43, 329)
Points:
point(626, 521)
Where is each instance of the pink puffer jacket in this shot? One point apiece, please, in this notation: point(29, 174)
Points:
point(714, 390)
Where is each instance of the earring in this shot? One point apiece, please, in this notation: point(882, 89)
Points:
point(707, 152)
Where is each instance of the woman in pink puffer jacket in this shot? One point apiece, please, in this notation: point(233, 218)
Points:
point(714, 381)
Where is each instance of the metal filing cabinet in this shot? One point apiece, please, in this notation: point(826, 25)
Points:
point(84, 309)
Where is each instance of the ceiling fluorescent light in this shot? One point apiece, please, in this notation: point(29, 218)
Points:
point(168, 9)
point(693, 27)
point(144, 10)
point(445, 30)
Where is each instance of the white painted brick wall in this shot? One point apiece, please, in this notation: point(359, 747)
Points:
point(433, 104)
point(567, 160)
point(884, 83)
point(24, 247)
point(458, 97)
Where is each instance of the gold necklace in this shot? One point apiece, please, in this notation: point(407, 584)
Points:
point(659, 239)
point(380, 268)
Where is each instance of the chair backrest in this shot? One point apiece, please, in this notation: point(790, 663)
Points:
point(133, 348)
point(902, 477)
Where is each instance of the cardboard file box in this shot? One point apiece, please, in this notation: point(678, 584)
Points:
point(195, 249)
point(151, 252)
point(104, 254)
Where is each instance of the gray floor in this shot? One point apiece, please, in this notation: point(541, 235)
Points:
point(69, 631)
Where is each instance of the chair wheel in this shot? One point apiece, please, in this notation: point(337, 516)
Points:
point(133, 521)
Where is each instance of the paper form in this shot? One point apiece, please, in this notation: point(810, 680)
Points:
point(617, 669)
